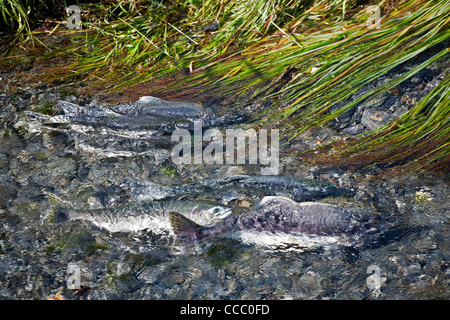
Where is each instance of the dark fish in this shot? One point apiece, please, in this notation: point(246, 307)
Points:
point(299, 189)
point(124, 130)
point(274, 215)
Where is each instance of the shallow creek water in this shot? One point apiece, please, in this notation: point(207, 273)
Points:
point(88, 187)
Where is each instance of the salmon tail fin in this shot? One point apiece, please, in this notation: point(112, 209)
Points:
point(58, 209)
point(185, 229)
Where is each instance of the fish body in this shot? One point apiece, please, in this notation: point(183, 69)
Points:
point(279, 214)
point(147, 215)
point(274, 215)
point(298, 189)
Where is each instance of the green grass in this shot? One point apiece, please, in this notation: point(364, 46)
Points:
point(160, 39)
point(18, 19)
point(302, 57)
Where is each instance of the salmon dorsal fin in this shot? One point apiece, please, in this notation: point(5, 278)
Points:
point(184, 228)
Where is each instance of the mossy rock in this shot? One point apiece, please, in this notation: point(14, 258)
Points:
point(82, 243)
point(47, 108)
point(222, 254)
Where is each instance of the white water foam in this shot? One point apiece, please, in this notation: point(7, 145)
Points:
point(284, 241)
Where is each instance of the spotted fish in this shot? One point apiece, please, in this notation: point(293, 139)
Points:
point(274, 215)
